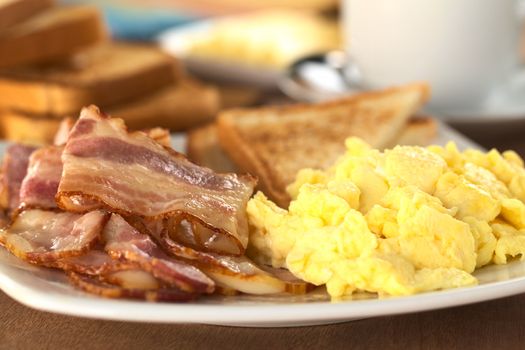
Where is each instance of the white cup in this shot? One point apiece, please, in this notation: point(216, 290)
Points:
point(462, 48)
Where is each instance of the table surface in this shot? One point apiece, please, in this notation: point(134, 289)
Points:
point(489, 325)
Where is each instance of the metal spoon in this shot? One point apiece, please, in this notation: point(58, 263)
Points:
point(321, 77)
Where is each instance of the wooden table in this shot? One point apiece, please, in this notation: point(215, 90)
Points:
point(493, 325)
point(496, 324)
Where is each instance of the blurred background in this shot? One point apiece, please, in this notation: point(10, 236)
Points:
point(144, 20)
point(173, 64)
point(182, 61)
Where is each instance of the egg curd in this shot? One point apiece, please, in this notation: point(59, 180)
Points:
point(397, 222)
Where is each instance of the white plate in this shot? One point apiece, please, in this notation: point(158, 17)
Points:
point(177, 41)
point(48, 290)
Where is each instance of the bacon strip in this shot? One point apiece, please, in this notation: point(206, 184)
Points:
point(132, 278)
point(113, 290)
point(131, 174)
point(124, 242)
point(95, 262)
point(191, 212)
point(230, 272)
point(14, 169)
point(40, 185)
point(4, 219)
point(237, 272)
point(42, 237)
point(160, 135)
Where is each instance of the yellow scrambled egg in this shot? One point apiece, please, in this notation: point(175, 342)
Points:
point(398, 222)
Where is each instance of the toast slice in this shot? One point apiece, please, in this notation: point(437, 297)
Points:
point(203, 148)
point(420, 131)
point(15, 11)
point(27, 129)
point(267, 142)
point(106, 75)
point(52, 34)
point(179, 106)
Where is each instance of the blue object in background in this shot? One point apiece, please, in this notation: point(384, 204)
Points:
point(141, 24)
point(137, 23)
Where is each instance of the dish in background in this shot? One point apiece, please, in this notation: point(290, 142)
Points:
point(177, 41)
point(48, 290)
point(251, 48)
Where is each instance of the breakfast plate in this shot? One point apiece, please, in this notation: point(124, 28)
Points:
point(48, 290)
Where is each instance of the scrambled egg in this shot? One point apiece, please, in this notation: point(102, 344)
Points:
point(398, 222)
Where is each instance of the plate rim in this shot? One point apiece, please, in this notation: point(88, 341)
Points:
point(290, 314)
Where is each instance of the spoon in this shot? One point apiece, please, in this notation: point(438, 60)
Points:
point(321, 77)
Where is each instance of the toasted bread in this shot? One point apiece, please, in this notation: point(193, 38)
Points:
point(179, 106)
point(51, 34)
point(203, 148)
point(107, 75)
point(420, 131)
point(15, 11)
point(26, 129)
point(267, 142)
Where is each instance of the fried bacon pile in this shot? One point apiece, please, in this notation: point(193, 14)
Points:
point(124, 215)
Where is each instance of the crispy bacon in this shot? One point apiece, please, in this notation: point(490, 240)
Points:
point(170, 222)
point(229, 272)
point(124, 242)
point(125, 286)
point(14, 169)
point(237, 272)
point(40, 185)
point(41, 237)
point(160, 135)
point(4, 219)
point(132, 278)
point(95, 262)
point(131, 174)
